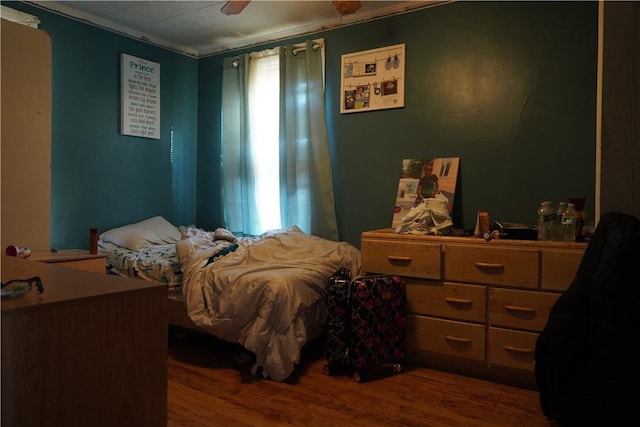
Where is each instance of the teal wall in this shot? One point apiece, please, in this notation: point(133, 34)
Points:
point(509, 87)
point(209, 212)
point(100, 178)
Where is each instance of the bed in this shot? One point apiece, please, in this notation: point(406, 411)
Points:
point(266, 293)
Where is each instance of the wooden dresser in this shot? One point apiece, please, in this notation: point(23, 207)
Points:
point(475, 307)
point(91, 350)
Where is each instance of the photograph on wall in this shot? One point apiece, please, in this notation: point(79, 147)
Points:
point(373, 79)
point(425, 194)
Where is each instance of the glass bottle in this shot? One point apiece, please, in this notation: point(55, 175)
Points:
point(569, 223)
point(545, 220)
point(557, 222)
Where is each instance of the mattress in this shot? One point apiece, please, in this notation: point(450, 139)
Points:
point(158, 263)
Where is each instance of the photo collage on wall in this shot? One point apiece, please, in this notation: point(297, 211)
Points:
point(423, 180)
point(373, 79)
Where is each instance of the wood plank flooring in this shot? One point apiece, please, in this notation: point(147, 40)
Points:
point(210, 384)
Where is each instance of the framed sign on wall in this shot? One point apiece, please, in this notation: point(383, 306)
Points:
point(372, 79)
point(140, 95)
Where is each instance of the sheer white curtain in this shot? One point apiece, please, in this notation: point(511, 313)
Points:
point(275, 164)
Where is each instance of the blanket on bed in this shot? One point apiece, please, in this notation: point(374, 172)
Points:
point(266, 293)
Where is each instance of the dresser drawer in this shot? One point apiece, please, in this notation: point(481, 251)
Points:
point(520, 309)
point(408, 259)
point(447, 337)
point(492, 265)
point(513, 349)
point(444, 299)
point(559, 268)
point(475, 306)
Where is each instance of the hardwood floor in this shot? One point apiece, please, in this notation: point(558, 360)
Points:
point(210, 384)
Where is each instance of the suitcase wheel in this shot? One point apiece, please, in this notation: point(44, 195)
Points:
point(360, 375)
point(397, 368)
point(326, 369)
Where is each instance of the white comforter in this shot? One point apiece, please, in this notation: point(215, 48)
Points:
point(267, 294)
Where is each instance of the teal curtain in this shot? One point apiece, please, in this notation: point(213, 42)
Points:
point(237, 188)
point(306, 182)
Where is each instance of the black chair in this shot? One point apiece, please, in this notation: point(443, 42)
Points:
point(587, 359)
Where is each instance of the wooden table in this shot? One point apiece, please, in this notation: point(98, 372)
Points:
point(89, 351)
point(73, 258)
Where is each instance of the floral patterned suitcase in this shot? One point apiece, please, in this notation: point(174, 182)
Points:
point(338, 333)
point(366, 323)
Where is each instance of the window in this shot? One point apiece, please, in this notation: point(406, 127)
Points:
point(275, 164)
point(264, 135)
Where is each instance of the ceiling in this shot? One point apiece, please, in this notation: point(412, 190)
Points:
point(199, 28)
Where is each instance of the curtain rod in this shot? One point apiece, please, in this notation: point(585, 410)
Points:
point(298, 47)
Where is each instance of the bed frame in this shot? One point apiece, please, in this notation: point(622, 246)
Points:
point(177, 314)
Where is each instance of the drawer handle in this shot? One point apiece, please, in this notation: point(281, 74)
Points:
point(456, 339)
point(489, 265)
point(518, 349)
point(520, 309)
point(398, 258)
point(458, 300)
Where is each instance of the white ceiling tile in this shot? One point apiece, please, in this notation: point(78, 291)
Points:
point(198, 28)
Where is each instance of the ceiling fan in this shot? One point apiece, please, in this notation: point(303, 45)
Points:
point(234, 7)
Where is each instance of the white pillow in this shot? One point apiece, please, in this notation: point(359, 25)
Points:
point(152, 231)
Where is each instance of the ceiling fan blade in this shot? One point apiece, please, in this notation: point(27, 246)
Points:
point(234, 7)
point(346, 7)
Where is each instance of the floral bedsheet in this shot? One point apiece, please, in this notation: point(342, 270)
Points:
point(158, 263)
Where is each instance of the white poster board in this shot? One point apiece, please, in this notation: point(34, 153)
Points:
point(372, 79)
point(140, 94)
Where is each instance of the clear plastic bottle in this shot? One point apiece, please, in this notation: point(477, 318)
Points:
point(545, 220)
point(569, 223)
point(557, 222)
